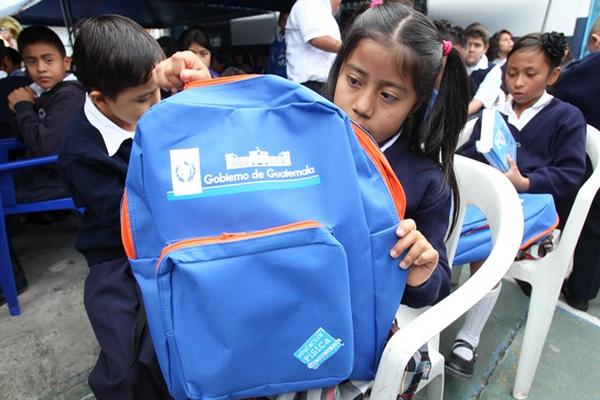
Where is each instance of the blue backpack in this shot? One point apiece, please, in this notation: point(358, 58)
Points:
point(258, 222)
point(475, 242)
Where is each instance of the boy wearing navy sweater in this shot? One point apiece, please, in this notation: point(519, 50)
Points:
point(580, 86)
point(116, 61)
point(41, 118)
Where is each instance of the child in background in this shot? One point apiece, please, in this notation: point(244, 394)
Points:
point(197, 41)
point(116, 61)
point(383, 78)
point(501, 43)
point(579, 85)
point(550, 155)
point(41, 121)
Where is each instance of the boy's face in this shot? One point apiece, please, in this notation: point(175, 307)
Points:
point(475, 50)
point(45, 65)
point(126, 109)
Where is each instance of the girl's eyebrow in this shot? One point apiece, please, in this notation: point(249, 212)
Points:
point(396, 85)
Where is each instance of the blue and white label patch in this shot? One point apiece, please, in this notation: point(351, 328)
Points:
point(257, 171)
point(318, 349)
point(185, 171)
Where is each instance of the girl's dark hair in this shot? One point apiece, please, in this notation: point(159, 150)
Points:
point(40, 34)
point(113, 53)
point(553, 44)
point(15, 57)
point(417, 46)
point(492, 52)
point(451, 32)
point(194, 35)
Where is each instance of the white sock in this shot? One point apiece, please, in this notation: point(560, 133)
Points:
point(475, 320)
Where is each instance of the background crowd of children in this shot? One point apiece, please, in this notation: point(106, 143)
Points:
point(410, 81)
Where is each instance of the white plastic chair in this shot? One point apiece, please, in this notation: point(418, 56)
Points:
point(489, 190)
point(546, 274)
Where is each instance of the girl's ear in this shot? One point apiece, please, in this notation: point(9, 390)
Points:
point(553, 77)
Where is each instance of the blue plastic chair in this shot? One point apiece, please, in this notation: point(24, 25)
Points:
point(9, 206)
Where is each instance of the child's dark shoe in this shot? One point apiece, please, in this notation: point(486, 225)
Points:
point(578, 304)
point(458, 366)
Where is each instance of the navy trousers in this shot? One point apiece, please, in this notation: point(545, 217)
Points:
point(112, 303)
point(584, 281)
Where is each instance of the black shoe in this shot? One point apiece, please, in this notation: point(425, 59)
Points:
point(457, 365)
point(578, 304)
point(524, 286)
point(21, 287)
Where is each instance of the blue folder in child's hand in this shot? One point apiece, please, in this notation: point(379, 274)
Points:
point(496, 142)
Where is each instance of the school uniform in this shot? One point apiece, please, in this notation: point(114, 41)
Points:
point(428, 202)
point(550, 138)
point(580, 86)
point(40, 126)
point(484, 82)
point(93, 163)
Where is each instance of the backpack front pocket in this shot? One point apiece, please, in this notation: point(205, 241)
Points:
point(259, 313)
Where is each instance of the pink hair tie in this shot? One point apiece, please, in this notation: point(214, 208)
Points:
point(446, 47)
point(375, 3)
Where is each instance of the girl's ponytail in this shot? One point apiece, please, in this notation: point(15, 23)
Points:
point(447, 119)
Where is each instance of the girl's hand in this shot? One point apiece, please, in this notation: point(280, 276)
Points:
point(421, 255)
point(520, 182)
point(182, 67)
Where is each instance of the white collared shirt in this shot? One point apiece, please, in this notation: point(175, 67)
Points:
point(112, 134)
point(528, 114)
point(481, 64)
point(489, 89)
point(38, 90)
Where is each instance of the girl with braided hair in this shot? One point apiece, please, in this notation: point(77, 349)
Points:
point(550, 136)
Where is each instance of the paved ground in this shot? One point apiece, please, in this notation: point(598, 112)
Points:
point(47, 352)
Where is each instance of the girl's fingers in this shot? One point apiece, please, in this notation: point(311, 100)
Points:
point(404, 243)
point(405, 227)
point(415, 251)
point(428, 257)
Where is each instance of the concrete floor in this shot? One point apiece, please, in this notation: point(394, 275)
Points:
point(47, 352)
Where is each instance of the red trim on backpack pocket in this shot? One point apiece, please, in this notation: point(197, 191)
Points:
point(126, 234)
point(385, 169)
point(219, 81)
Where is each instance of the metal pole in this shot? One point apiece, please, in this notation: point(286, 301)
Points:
point(65, 8)
point(546, 15)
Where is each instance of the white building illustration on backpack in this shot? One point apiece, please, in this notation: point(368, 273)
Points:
point(257, 158)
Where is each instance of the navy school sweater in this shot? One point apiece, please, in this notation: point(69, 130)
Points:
point(42, 125)
point(96, 182)
point(579, 85)
point(428, 200)
point(551, 149)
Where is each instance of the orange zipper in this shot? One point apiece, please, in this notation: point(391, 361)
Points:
point(219, 81)
point(385, 169)
point(540, 235)
point(234, 237)
point(126, 236)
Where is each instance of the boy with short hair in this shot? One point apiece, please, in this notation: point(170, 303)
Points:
point(116, 62)
point(41, 121)
point(484, 79)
